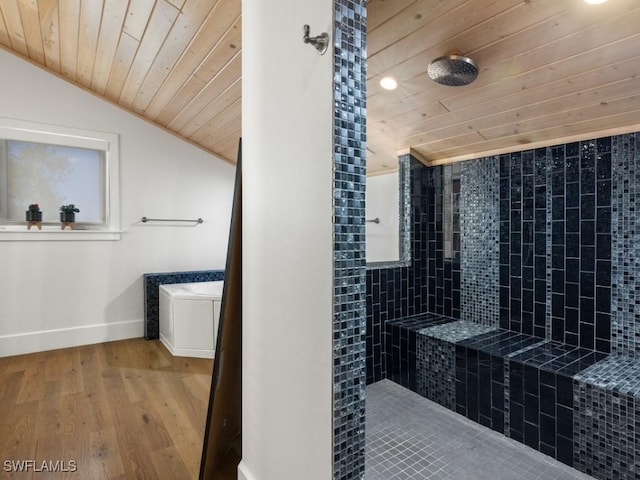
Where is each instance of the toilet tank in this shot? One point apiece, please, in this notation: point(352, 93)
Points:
point(189, 315)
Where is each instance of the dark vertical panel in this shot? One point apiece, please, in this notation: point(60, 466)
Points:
point(222, 448)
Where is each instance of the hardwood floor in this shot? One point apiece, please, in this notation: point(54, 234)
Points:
point(118, 410)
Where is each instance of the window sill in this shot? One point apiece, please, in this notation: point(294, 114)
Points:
point(15, 234)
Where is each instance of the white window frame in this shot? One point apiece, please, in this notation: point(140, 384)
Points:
point(108, 143)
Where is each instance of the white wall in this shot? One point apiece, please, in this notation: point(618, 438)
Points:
point(287, 242)
point(85, 292)
point(383, 239)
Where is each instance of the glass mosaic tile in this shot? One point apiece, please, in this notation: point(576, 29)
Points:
point(607, 415)
point(480, 214)
point(625, 248)
point(349, 311)
point(421, 321)
point(436, 359)
point(549, 253)
point(455, 331)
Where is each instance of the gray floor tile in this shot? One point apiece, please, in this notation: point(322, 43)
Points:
point(411, 438)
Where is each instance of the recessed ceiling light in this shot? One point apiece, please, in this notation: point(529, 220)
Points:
point(595, 2)
point(388, 83)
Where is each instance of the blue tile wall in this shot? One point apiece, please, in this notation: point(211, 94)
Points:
point(431, 282)
point(401, 348)
point(151, 282)
point(565, 229)
point(607, 419)
point(482, 381)
point(443, 234)
point(349, 264)
point(435, 359)
point(625, 262)
point(540, 396)
point(523, 242)
point(480, 216)
point(398, 292)
point(555, 243)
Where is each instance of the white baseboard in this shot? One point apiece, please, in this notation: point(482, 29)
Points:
point(243, 472)
point(185, 352)
point(43, 340)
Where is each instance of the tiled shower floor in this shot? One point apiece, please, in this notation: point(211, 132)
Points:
point(410, 437)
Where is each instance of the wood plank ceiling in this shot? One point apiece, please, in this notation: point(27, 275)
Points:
point(550, 70)
point(173, 62)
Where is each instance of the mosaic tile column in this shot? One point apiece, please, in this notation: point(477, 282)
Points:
point(625, 265)
point(480, 228)
point(607, 412)
point(349, 284)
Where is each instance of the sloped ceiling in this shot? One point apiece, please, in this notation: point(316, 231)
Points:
point(549, 70)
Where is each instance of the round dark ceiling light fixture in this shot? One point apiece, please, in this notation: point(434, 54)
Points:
point(453, 70)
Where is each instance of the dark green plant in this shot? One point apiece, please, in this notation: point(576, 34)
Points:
point(34, 207)
point(71, 208)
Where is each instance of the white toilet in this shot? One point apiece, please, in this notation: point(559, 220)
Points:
point(189, 314)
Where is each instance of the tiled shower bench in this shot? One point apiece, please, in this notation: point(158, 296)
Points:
point(576, 405)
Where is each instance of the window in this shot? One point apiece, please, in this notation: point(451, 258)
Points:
point(54, 166)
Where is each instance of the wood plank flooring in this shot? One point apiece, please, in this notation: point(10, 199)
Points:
point(119, 410)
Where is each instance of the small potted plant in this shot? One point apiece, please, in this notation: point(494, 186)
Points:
point(68, 215)
point(33, 216)
point(33, 213)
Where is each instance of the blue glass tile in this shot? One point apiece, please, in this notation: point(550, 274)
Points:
point(152, 296)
